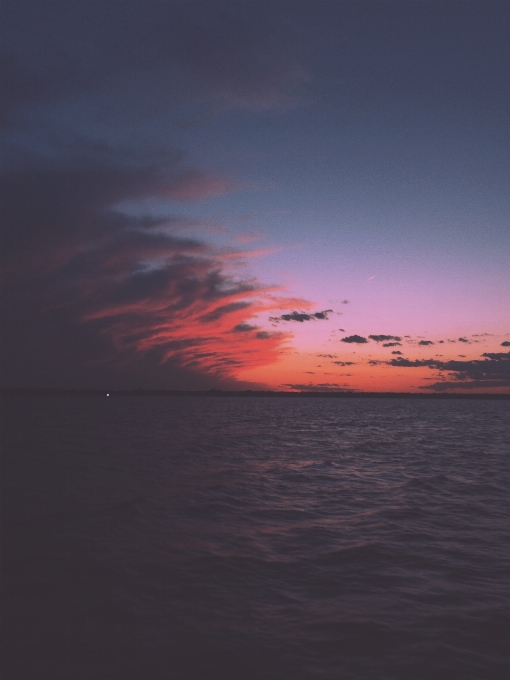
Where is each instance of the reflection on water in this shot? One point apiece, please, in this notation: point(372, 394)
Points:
point(256, 538)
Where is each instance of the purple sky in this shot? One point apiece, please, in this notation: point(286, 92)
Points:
point(179, 178)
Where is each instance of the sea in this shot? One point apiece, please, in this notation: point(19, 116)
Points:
point(228, 538)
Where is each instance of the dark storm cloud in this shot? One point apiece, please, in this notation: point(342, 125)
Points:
point(491, 371)
point(381, 338)
point(301, 316)
point(66, 207)
point(392, 344)
point(92, 294)
point(200, 49)
point(355, 338)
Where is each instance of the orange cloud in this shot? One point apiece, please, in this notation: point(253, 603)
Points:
point(185, 309)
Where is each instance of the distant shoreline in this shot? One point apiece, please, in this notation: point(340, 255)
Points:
point(48, 392)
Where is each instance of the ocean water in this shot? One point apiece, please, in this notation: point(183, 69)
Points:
point(200, 538)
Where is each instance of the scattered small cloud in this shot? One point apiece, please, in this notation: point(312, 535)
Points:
point(301, 316)
point(425, 342)
point(396, 352)
point(407, 363)
point(392, 344)
point(344, 363)
point(355, 338)
point(381, 338)
point(463, 340)
point(505, 343)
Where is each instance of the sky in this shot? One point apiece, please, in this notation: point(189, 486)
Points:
point(276, 195)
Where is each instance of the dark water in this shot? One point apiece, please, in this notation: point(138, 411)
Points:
point(201, 538)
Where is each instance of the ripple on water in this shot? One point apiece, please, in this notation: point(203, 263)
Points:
point(206, 538)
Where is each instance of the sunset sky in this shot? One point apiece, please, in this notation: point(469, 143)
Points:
point(274, 195)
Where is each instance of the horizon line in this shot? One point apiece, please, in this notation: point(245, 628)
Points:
point(215, 392)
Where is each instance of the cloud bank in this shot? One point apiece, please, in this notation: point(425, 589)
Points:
point(491, 371)
point(92, 294)
point(95, 294)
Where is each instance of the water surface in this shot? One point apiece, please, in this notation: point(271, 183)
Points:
point(243, 538)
